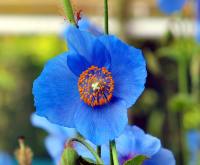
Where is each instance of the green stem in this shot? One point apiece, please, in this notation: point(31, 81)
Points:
point(114, 152)
point(182, 76)
point(69, 11)
point(106, 16)
point(111, 157)
point(99, 151)
point(93, 152)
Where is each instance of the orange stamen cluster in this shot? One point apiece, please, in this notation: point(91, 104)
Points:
point(96, 86)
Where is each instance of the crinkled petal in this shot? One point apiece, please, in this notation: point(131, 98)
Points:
point(80, 41)
point(170, 6)
point(103, 123)
point(135, 142)
point(51, 128)
point(77, 63)
point(128, 69)
point(164, 157)
point(56, 93)
point(145, 144)
point(55, 147)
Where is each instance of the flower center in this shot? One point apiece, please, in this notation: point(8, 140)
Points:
point(96, 86)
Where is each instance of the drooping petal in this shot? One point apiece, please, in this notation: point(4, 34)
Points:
point(55, 147)
point(77, 63)
point(135, 142)
point(55, 92)
point(53, 129)
point(164, 157)
point(170, 6)
point(128, 69)
point(80, 41)
point(103, 123)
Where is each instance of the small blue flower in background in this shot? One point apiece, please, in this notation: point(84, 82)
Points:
point(135, 142)
point(193, 142)
point(198, 20)
point(91, 86)
point(5, 159)
point(170, 6)
point(57, 138)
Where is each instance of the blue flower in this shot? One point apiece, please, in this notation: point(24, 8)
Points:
point(5, 159)
point(170, 6)
point(91, 86)
point(135, 142)
point(193, 142)
point(131, 143)
point(57, 138)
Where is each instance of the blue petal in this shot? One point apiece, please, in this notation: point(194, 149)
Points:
point(170, 6)
point(193, 140)
point(164, 157)
point(55, 147)
point(128, 69)
point(135, 142)
point(51, 128)
point(85, 25)
point(56, 93)
point(193, 143)
point(6, 159)
point(80, 41)
point(101, 56)
point(77, 63)
point(103, 123)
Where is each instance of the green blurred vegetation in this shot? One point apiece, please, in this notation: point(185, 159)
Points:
point(21, 60)
point(168, 108)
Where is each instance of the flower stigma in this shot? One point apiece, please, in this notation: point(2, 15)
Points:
point(96, 86)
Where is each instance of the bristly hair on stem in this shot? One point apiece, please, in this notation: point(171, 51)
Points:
point(69, 12)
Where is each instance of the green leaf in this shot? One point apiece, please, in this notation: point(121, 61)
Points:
point(138, 160)
point(69, 157)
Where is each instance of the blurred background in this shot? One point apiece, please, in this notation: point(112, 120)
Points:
point(30, 34)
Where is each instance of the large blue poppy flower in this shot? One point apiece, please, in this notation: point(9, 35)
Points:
point(91, 86)
point(170, 6)
point(57, 138)
point(135, 142)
